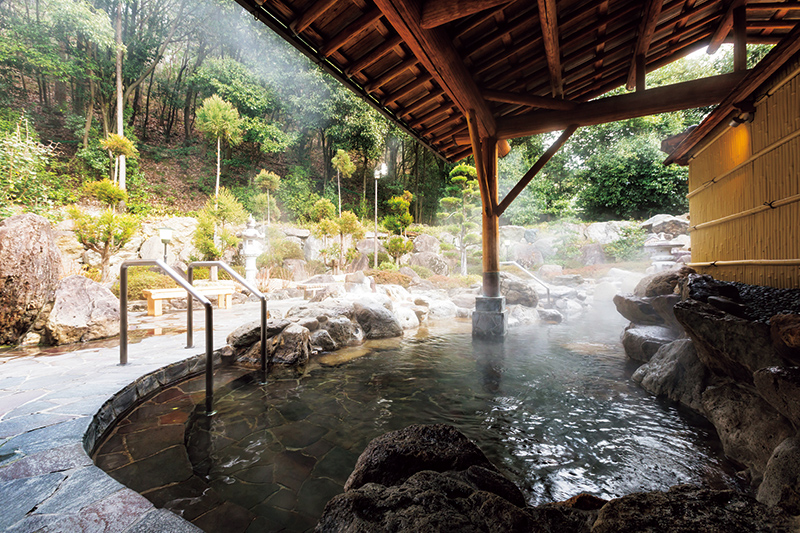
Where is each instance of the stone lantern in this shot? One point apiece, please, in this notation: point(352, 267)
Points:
point(251, 249)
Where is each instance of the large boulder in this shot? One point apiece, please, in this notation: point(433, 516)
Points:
point(511, 234)
point(785, 332)
point(642, 342)
point(407, 318)
point(395, 456)
point(342, 330)
point(249, 333)
point(780, 387)
point(749, 428)
point(83, 310)
point(525, 254)
point(427, 243)
point(662, 283)
point(605, 232)
point(518, 292)
point(30, 264)
point(593, 254)
point(781, 484)
point(291, 347)
point(637, 310)
point(687, 508)
point(433, 262)
point(377, 321)
point(666, 224)
point(726, 344)
point(675, 371)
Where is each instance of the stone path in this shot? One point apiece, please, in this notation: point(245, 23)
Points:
point(48, 399)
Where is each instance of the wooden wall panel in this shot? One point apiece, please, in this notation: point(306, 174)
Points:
point(754, 164)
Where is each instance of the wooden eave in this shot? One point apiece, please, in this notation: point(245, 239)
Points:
point(425, 64)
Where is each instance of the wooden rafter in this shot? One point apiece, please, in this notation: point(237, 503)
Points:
point(549, 23)
point(438, 12)
point(529, 100)
point(647, 28)
point(311, 14)
point(725, 26)
point(435, 51)
point(373, 56)
point(388, 76)
point(351, 32)
point(696, 93)
point(407, 89)
point(535, 169)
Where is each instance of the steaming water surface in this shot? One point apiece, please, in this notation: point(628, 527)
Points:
point(553, 407)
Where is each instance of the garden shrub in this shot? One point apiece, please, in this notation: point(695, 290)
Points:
point(142, 278)
point(389, 277)
point(630, 247)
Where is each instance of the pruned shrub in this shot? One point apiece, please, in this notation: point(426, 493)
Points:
point(142, 278)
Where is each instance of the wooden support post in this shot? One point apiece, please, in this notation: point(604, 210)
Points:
point(739, 39)
point(491, 222)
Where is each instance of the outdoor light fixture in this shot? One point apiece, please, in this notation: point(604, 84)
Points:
point(379, 171)
point(745, 117)
point(165, 234)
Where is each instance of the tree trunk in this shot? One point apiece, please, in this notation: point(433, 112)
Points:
point(120, 105)
point(89, 110)
point(147, 107)
point(216, 188)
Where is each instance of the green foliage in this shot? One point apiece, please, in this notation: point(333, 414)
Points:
point(106, 192)
point(630, 247)
point(568, 252)
point(236, 83)
point(399, 246)
point(423, 272)
point(267, 181)
point(211, 238)
point(264, 207)
point(278, 252)
point(383, 257)
point(119, 145)
point(342, 163)
point(389, 276)
point(142, 278)
point(105, 234)
point(296, 195)
point(388, 265)
point(218, 119)
point(323, 210)
point(400, 218)
point(460, 209)
point(270, 136)
point(631, 182)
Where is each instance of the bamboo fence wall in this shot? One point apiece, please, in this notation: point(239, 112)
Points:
point(750, 213)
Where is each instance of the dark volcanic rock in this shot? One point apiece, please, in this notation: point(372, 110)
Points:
point(395, 456)
point(700, 287)
point(246, 334)
point(322, 339)
point(780, 386)
point(727, 345)
point(342, 330)
point(748, 426)
point(641, 342)
point(685, 508)
point(664, 307)
point(291, 347)
point(30, 264)
point(785, 331)
point(675, 372)
point(781, 485)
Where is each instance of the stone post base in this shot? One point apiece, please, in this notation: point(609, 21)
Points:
point(490, 319)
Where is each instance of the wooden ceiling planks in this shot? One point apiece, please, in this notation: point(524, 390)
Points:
point(426, 63)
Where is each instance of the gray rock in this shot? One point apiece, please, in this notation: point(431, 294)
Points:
point(550, 316)
point(569, 280)
point(407, 318)
point(530, 235)
point(605, 232)
point(749, 428)
point(441, 309)
point(780, 387)
point(292, 347)
point(433, 262)
point(666, 224)
point(377, 321)
point(726, 344)
point(355, 277)
point(367, 246)
point(546, 246)
point(637, 310)
point(781, 484)
point(464, 299)
point(407, 271)
point(518, 292)
point(642, 342)
point(323, 340)
point(512, 234)
point(427, 243)
point(360, 263)
point(664, 307)
point(662, 283)
point(250, 333)
point(520, 315)
point(83, 310)
point(785, 332)
point(687, 508)
point(593, 254)
point(525, 254)
point(549, 271)
point(675, 372)
point(343, 331)
point(297, 267)
point(30, 264)
point(321, 279)
point(300, 233)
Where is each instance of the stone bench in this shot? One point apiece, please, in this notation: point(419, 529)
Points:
point(155, 297)
point(309, 291)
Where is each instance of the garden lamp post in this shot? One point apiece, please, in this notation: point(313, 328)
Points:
point(165, 234)
point(379, 171)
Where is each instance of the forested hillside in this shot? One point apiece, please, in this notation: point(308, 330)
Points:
point(65, 65)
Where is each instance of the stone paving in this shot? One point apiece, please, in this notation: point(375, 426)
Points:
point(52, 403)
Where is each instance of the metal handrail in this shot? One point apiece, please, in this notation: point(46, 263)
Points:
point(537, 280)
point(190, 291)
point(246, 285)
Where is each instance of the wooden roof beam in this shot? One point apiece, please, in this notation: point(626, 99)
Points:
point(529, 100)
point(724, 28)
point(437, 54)
point(311, 14)
point(351, 31)
point(686, 95)
point(407, 89)
point(438, 12)
point(647, 28)
point(374, 55)
point(391, 74)
point(549, 23)
point(421, 103)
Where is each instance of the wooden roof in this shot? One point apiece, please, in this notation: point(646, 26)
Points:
point(522, 66)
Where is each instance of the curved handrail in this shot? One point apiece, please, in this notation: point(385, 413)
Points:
point(190, 291)
point(537, 280)
point(235, 275)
